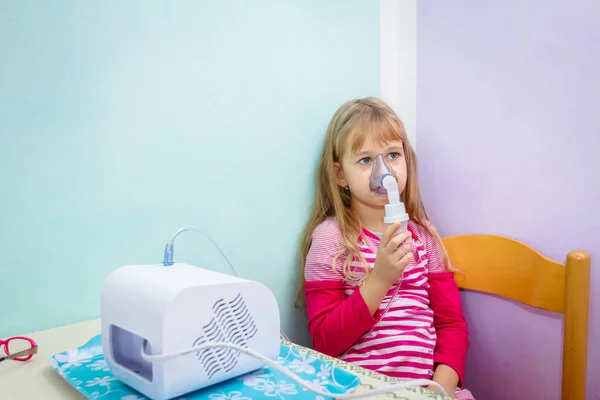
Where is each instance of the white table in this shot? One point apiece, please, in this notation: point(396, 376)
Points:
point(36, 380)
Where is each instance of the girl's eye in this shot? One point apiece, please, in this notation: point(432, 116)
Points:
point(394, 155)
point(364, 160)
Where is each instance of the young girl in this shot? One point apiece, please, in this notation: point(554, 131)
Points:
point(353, 263)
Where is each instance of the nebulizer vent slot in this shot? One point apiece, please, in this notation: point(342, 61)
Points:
point(231, 323)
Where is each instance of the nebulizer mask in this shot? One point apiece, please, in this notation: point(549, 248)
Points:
point(383, 182)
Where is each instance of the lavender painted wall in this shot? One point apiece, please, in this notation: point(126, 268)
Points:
point(508, 123)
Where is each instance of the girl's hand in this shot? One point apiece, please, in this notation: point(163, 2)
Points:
point(449, 391)
point(447, 378)
point(393, 256)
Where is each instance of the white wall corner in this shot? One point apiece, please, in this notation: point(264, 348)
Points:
point(399, 61)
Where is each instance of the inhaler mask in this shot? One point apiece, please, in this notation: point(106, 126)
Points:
point(381, 168)
point(383, 182)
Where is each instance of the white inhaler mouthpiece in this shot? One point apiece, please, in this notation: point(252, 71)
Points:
point(383, 182)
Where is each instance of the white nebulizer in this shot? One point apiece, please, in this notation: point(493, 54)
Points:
point(383, 182)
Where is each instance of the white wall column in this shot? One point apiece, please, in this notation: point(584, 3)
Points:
point(399, 60)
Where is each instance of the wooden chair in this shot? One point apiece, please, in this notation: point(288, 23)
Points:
point(510, 269)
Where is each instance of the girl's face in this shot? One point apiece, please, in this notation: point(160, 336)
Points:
point(354, 169)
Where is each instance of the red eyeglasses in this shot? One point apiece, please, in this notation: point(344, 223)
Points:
point(18, 348)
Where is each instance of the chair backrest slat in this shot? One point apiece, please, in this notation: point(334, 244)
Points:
point(507, 268)
point(510, 269)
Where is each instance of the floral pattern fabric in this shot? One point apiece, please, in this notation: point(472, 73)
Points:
point(86, 370)
point(370, 380)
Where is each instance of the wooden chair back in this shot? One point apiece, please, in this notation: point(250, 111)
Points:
point(508, 268)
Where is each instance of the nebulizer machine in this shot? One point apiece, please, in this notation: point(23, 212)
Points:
point(171, 328)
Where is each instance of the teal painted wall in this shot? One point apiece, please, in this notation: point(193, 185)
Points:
point(122, 121)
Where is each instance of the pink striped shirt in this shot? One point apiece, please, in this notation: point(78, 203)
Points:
point(400, 343)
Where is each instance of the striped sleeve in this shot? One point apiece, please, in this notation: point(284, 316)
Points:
point(335, 321)
point(448, 318)
point(326, 244)
point(450, 324)
point(434, 251)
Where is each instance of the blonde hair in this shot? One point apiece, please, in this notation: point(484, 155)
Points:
point(353, 123)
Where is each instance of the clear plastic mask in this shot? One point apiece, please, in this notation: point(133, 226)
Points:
point(381, 168)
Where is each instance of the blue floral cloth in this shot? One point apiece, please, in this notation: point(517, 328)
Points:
point(86, 370)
